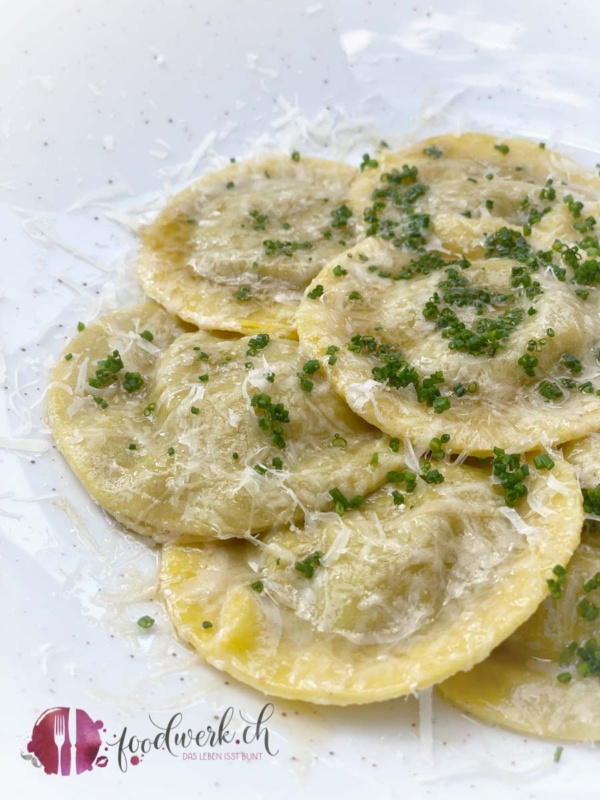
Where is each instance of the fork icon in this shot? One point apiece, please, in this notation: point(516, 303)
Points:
point(59, 738)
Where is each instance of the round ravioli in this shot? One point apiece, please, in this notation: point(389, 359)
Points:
point(545, 679)
point(456, 190)
point(189, 434)
point(422, 579)
point(236, 250)
point(495, 352)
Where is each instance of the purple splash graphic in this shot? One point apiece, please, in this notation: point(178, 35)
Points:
point(66, 741)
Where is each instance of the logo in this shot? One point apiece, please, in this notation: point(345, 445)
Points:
point(65, 741)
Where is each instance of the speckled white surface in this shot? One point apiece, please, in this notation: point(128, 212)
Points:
point(105, 106)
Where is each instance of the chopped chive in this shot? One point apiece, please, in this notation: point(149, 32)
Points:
point(312, 366)
point(433, 151)
point(331, 352)
point(571, 362)
point(244, 293)
point(568, 383)
point(549, 390)
point(587, 609)
point(368, 163)
point(559, 750)
point(107, 370)
point(511, 475)
point(407, 477)
point(432, 476)
point(343, 503)
point(441, 404)
point(147, 336)
point(270, 415)
point(309, 564)
point(145, 621)
point(543, 462)
point(592, 584)
point(258, 342)
point(555, 585)
point(305, 383)
point(132, 382)
point(528, 363)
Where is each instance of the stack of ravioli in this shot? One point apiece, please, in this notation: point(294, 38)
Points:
point(361, 413)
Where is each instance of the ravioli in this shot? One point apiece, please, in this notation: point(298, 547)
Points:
point(195, 435)
point(236, 250)
point(492, 352)
point(545, 679)
point(321, 540)
point(386, 599)
point(453, 191)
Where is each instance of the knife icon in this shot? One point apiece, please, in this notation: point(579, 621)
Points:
point(70, 742)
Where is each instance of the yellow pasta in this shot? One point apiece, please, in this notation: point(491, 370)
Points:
point(342, 419)
point(387, 599)
point(411, 372)
point(220, 439)
point(460, 188)
point(544, 680)
point(236, 250)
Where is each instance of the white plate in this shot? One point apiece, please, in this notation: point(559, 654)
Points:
point(106, 106)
